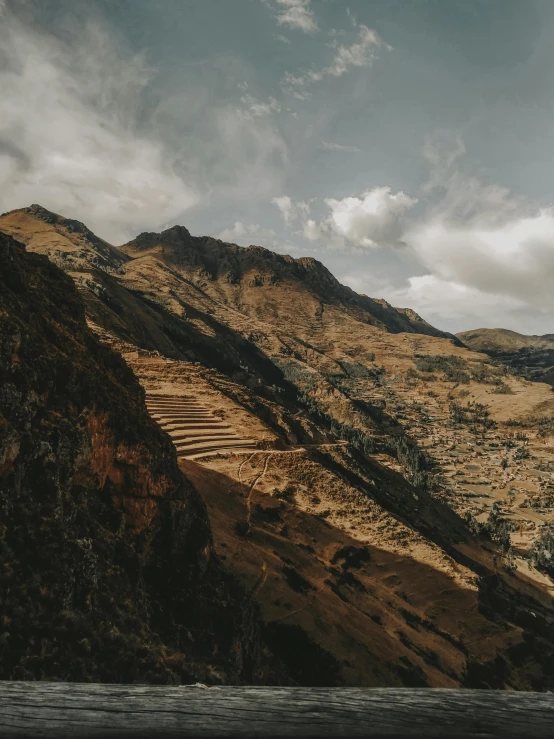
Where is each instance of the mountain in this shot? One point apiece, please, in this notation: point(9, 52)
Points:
point(379, 489)
point(531, 357)
point(109, 572)
point(233, 275)
point(503, 340)
point(227, 273)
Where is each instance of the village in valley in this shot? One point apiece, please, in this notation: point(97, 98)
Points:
point(495, 462)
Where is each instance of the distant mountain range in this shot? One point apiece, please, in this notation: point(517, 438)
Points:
point(503, 340)
point(531, 357)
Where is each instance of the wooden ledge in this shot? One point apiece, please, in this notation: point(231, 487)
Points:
point(63, 710)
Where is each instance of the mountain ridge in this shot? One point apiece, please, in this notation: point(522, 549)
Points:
point(212, 259)
point(502, 339)
point(217, 259)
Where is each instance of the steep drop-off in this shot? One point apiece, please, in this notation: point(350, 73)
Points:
point(107, 565)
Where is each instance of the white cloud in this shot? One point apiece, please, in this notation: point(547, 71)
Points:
point(331, 146)
point(242, 232)
point(289, 210)
point(450, 301)
point(499, 250)
point(352, 17)
point(243, 158)
point(449, 305)
point(313, 231)
point(294, 84)
point(245, 234)
point(362, 53)
point(485, 256)
point(296, 14)
point(372, 220)
point(67, 133)
point(481, 235)
point(257, 109)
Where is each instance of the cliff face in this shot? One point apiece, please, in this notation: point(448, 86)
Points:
point(107, 565)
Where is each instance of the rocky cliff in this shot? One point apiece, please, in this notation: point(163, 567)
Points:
point(108, 572)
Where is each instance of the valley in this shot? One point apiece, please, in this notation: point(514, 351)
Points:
point(376, 486)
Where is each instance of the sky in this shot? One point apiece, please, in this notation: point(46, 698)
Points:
point(406, 144)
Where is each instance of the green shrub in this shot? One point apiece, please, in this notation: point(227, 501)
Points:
point(542, 554)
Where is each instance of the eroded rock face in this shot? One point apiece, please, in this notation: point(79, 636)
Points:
point(107, 571)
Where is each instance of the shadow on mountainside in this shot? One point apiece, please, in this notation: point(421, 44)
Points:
point(107, 567)
point(367, 616)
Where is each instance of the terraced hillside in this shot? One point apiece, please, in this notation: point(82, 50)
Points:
point(193, 428)
point(108, 564)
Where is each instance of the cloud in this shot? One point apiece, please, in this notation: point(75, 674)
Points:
point(362, 53)
point(371, 220)
point(231, 149)
point(447, 304)
point(481, 235)
point(68, 138)
point(294, 84)
point(485, 256)
point(257, 109)
point(442, 149)
point(88, 129)
point(296, 14)
point(359, 54)
point(245, 234)
point(351, 17)
point(446, 300)
point(240, 157)
point(291, 211)
point(331, 146)
point(497, 248)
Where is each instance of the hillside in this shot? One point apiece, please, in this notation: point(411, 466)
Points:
point(531, 357)
point(376, 486)
point(109, 572)
point(503, 340)
point(233, 275)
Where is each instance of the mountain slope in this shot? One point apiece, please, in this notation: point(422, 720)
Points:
point(502, 340)
point(226, 272)
point(108, 565)
point(531, 357)
point(370, 521)
point(233, 275)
